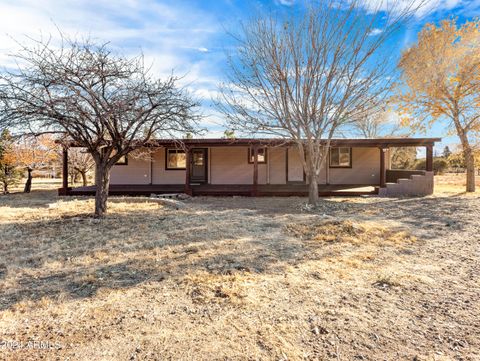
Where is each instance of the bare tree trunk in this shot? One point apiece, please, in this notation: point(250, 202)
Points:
point(84, 178)
point(28, 183)
point(312, 189)
point(102, 182)
point(470, 164)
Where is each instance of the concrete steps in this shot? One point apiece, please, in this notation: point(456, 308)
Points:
point(416, 185)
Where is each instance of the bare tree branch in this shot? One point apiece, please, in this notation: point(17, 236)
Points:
point(106, 103)
point(306, 77)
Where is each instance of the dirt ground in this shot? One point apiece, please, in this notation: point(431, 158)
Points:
point(241, 278)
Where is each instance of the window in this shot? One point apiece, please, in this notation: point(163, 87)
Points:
point(122, 161)
point(341, 157)
point(198, 157)
point(175, 159)
point(261, 158)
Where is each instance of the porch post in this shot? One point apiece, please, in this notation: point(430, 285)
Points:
point(429, 160)
point(383, 168)
point(188, 161)
point(255, 171)
point(65, 171)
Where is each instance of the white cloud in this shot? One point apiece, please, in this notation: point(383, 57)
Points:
point(130, 26)
point(425, 7)
point(171, 37)
point(285, 2)
point(375, 31)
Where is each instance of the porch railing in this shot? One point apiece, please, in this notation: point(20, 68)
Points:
point(393, 175)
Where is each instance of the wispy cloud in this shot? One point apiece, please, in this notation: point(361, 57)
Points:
point(423, 7)
point(285, 2)
point(186, 36)
point(375, 31)
point(177, 37)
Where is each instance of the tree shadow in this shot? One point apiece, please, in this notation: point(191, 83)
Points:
point(77, 256)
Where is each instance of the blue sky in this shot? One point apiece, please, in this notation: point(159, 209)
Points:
point(186, 36)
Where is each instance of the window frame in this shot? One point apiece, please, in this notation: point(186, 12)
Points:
point(118, 162)
point(167, 151)
point(250, 156)
point(339, 166)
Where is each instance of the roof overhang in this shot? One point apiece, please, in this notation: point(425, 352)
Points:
point(276, 142)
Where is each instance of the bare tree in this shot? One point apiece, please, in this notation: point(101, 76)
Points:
point(304, 78)
point(373, 124)
point(80, 162)
point(377, 124)
point(106, 103)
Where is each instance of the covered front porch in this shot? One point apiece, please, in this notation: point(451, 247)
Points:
point(231, 167)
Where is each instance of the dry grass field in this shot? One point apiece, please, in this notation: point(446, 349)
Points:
point(241, 278)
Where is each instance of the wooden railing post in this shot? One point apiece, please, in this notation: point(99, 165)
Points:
point(383, 168)
point(429, 158)
point(255, 171)
point(188, 161)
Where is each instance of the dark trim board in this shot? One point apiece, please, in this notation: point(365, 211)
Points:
point(393, 175)
point(272, 142)
point(263, 190)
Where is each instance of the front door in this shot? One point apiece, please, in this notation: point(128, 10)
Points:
point(198, 166)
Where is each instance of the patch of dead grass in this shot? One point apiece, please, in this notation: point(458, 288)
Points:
point(205, 287)
point(345, 231)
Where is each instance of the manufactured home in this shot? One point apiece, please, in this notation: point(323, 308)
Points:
point(263, 167)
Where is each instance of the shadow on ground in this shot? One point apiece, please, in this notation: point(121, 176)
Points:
point(77, 255)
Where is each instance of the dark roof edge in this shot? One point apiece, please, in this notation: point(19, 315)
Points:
point(352, 142)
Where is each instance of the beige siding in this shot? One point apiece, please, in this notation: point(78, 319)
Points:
point(277, 165)
point(229, 165)
point(365, 168)
point(137, 171)
point(295, 168)
point(162, 175)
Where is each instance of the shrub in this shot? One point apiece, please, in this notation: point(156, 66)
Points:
point(439, 165)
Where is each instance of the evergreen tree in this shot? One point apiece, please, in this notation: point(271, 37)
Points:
point(446, 152)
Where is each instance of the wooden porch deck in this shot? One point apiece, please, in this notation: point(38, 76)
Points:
point(271, 190)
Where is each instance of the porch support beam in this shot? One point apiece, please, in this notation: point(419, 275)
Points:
point(64, 190)
point(188, 161)
point(65, 171)
point(255, 171)
point(383, 167)
point(429, 156)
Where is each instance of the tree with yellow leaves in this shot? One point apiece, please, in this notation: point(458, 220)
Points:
point(441, 81)
point(9, 173)
point(34, 153)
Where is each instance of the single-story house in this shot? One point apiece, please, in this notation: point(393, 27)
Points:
point(263, 167)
